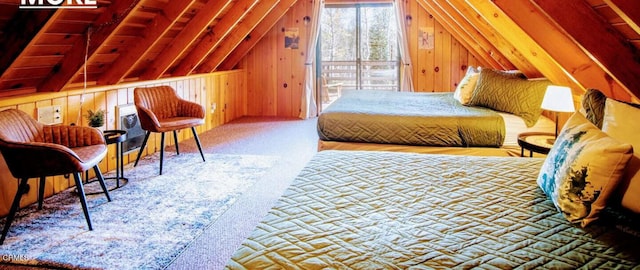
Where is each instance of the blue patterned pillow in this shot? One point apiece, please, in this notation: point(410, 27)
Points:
point(582, 170)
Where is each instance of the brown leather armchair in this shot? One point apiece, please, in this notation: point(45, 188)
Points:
point(32, 149)
point(161, 110)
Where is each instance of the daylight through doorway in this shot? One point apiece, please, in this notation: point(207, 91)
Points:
point(358, 49)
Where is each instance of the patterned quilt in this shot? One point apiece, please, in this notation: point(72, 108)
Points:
point(385, 210)
point(433, 119)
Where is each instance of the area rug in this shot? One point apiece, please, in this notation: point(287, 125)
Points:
point(147, 224)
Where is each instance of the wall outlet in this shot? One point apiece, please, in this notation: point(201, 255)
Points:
point(50, 115)
point(213, 107)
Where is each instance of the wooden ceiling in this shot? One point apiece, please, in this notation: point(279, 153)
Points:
point(44, 50)
point(581, 43)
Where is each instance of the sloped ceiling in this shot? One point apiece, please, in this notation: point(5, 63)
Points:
point(580, 43)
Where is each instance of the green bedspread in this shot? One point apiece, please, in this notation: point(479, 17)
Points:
point(433, 119)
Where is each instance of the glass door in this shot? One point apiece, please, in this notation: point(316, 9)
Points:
point(358, 49)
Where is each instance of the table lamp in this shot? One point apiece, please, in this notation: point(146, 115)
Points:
point(557, 99)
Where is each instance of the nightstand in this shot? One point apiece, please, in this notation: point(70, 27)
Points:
point(539, 142)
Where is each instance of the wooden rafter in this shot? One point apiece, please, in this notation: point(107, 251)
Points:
point(477, 44)
point(254, 37)
point(157, 28)
point(12, 42)
point(198, 24)
point(610, 49)
point(212, 39)
point(628, 10)
point(531, 51)
point(73, 60)
point(240, 32)
point(561, 47)
point(503, 46)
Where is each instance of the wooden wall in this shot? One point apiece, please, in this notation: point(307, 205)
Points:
point(224, 89)
point(441, 68)
point(275, 75)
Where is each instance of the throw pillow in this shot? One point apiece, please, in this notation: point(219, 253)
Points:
point(464, 90)
point(582, 170)
point(510, 93)
point(620, 121)
point(593, 103)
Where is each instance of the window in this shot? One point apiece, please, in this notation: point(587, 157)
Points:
point(358, 49)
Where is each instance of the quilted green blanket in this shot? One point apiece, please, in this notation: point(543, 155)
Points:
point(387, 210)
point(433, 119)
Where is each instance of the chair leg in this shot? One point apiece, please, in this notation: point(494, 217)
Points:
point(96, 169)
point(14, 208)
point(144, 143)
point(83, 200)
point(175, 140)
point(41, 192)
point(195, 136)
point(161, 151)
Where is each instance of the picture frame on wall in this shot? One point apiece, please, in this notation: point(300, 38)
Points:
point(291, 38)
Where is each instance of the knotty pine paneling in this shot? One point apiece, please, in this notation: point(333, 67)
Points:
point(224, 89)
point(275, 75)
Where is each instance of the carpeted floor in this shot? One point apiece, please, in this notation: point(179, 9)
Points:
point(293, 140)
point(148, 222)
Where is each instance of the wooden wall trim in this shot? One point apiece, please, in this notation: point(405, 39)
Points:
point(10, 101)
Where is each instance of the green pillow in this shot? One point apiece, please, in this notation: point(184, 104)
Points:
point(593, 103)
point(510, 93)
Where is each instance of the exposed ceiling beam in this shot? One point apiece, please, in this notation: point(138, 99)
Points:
point(101, 30)
point(160, 24)
point(13, 42)
point(479, 46)
point(505, 47)
point(255, 36)
point(602, 41)
point(628, 10)
point(561, 47)
point(211, 40)
point(241, 30)
point(531, 51)
point(19, 49)
point(198, 24)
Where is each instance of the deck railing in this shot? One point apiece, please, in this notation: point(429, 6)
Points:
point(374, 75)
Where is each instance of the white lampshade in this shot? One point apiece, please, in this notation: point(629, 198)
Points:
point(558, 99)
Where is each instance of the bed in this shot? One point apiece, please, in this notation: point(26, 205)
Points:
point(389, 210)
point(398, 121)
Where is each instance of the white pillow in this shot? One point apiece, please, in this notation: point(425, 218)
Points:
point(620, 121)
point(583, 170)
point(464, 90)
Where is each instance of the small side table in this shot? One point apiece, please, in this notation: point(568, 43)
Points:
point(539, 142)
point(114, 137)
